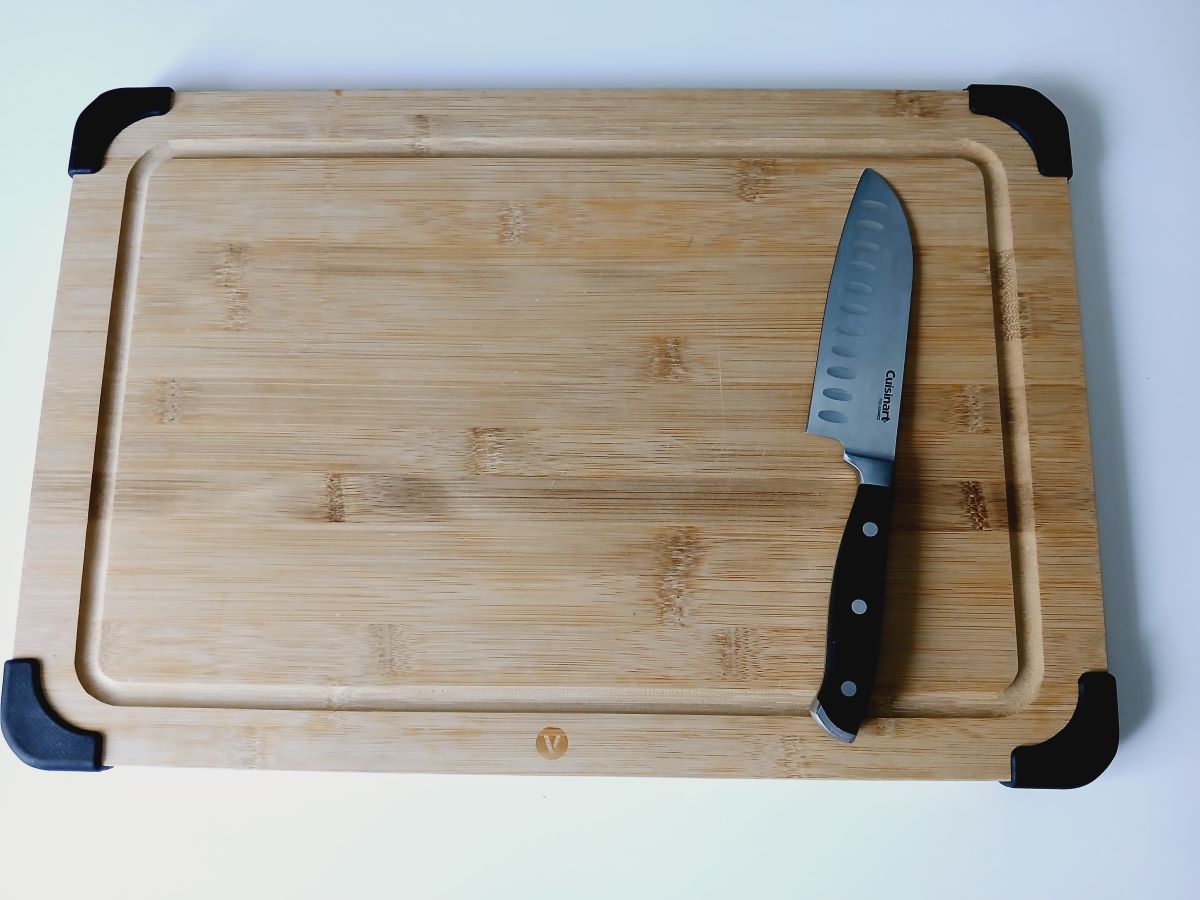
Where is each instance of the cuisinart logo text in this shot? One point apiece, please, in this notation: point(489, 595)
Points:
point(885, 404)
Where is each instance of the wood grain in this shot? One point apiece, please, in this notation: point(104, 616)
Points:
point(414, 424)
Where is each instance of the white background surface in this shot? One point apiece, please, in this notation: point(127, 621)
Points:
point(1127, 77)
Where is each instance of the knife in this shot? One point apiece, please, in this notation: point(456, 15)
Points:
point(856, 401)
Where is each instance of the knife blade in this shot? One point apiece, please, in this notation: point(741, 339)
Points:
point(856, 401)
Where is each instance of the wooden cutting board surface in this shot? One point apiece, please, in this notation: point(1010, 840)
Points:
point(445, 431)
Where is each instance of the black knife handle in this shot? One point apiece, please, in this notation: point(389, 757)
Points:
point(855, 614)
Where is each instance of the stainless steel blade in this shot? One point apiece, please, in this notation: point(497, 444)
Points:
point(860, 360)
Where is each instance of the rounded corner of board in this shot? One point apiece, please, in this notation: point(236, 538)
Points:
point(1034, 116)
point(1082, 750)
point(107, 116)
point(36, 733)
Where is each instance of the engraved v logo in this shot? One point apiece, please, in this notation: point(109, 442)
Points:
point(551, 743)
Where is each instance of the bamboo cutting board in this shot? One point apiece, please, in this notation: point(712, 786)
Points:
point(465, 432)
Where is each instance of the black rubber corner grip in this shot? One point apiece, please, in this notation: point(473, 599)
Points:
point(35, 732)
point(1035, 118)
point(1079, 753)
point(106, 117)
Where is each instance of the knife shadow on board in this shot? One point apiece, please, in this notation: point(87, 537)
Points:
point(1127, 657)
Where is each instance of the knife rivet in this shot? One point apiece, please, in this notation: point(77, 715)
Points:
point(849, 688)
point(859, 606)
point(870, 529)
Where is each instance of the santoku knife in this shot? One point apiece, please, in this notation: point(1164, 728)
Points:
point(856, 401)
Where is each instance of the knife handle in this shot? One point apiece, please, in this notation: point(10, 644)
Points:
point(855, 614)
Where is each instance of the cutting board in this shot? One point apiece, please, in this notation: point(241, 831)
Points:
point(465, 432)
